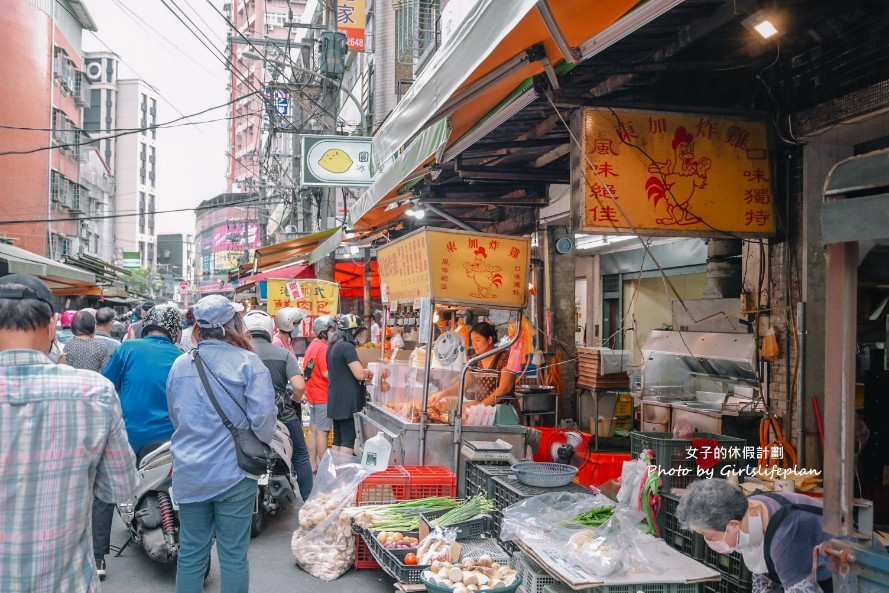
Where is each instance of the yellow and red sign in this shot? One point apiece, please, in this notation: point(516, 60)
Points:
point(319, 297)
point(351, 20)
point(455, 266)
point(657, 173)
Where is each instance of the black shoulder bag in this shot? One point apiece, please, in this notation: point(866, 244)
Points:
point(254, 456)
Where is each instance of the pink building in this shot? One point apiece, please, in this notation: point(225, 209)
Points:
point(45, 92)
point(265, 25)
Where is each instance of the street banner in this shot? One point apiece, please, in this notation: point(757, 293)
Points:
point(351, 20)
point(455, 266)
point(319, 297)
point(657, 173)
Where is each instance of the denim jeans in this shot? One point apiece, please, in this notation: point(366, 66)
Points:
point(228, 516)
point(302, 467)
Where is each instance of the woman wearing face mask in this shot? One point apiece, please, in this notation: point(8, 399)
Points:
point(775, 532)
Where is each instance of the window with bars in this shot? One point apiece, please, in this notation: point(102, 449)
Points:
point(141, 212)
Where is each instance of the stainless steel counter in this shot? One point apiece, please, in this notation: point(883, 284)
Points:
point(440, 449)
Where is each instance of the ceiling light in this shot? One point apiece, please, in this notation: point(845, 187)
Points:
point(416, 212)
point(354, 250)
point(762, 25)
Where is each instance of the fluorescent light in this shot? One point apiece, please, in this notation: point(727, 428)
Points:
point(762, 25)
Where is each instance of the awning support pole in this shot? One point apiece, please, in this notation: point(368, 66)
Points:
point(570, 55)
point(450, 218)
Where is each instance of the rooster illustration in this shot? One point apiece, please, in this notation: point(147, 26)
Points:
point(485, 276)
point(677, 179)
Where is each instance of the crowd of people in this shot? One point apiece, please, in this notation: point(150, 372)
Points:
point(86, 394)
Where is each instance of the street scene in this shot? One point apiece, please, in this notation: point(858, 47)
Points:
point(456, 296)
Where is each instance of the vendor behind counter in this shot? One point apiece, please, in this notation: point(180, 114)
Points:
point(489, 382)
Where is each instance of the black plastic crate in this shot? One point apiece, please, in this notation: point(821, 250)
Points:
point(728, 585)
point(392, 561)
point(685, 540)
point(729, 565)
point(473, 528)
point(673, 455)
point(507, 490)
point(479, 474)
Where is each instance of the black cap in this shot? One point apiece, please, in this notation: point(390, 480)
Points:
point(35, 288)
point(147, 305)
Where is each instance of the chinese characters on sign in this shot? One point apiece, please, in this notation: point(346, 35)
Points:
point(350, 19)
point(457, 266)
point(318, 297)
point(671, 174)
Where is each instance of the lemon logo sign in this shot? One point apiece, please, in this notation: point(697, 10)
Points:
point(335, 161)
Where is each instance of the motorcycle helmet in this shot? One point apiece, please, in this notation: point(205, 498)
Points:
point(164, 318)
point(322, 325)
point(259, 322)
point(288, 319)
point(350, 321)
point(67, 318)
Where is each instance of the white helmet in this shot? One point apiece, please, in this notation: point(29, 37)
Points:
point(288, 319)
point(322, 324)
point(259, 321)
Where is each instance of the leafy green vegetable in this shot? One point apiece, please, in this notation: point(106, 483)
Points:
point(595, 517)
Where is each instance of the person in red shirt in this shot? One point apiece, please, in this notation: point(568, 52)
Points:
point(317, 383)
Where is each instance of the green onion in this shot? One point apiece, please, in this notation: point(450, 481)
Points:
point(473, 507)
point(399, 516)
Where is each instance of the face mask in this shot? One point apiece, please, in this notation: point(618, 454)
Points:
point(719, 546)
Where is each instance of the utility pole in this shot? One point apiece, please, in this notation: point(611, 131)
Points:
point(325, 268)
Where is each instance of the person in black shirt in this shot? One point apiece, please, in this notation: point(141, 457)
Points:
point(285, 373)
point(346, 394)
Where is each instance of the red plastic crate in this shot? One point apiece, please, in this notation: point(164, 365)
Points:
point(363, 558)
point(390, 485)
point(430, 480)
point(601, 467)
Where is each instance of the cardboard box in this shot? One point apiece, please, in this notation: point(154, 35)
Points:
point(605, 427)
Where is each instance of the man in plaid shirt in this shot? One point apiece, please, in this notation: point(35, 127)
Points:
point(62, 440)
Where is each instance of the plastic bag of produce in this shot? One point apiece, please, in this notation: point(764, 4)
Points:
point(616, 547)
point(436, 547)
point(324, 545)
point(546, 516)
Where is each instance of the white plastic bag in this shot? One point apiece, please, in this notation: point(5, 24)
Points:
point(324, 545)
point(548, 516)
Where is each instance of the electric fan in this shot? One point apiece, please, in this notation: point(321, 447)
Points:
point(570, 447)
point(447, 350)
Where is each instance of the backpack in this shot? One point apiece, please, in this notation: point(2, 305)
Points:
point(775, 522)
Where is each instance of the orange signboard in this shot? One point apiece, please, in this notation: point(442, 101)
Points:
point(351, 20)
point(319, 297)
point(655, 173)
point(456, 266)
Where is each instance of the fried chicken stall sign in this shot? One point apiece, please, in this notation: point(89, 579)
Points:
point(456, 266)
point(671, 174)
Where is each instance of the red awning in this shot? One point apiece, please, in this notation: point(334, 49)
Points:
point(296, 271)
point(350, 277)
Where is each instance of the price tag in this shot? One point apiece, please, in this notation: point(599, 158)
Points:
point(264, 479)
point(294, 290)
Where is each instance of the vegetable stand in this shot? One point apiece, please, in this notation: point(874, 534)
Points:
point(432, 268)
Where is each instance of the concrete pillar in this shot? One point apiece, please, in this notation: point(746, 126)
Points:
point(560, 278)
point(819, 159)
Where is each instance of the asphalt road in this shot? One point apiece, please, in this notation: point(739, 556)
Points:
point(272, 567)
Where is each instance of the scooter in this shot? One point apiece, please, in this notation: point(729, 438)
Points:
point(151, 515)
point(276, 487)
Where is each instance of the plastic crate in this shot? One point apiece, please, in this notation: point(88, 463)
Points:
point(506, 490)
point(673, 455)
point(728, 585)
point(392, 561)
point(534, 577)
point(685, 540)
point(644, 588)
point(388, 486)
point(429, 480)
point(329, 436)
point(477, 527)
point(601, 467)
point(729, 565)
point(364, 560)
point(478, 476)
point(473, 548)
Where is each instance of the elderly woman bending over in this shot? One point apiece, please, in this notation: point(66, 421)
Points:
point(775, 533)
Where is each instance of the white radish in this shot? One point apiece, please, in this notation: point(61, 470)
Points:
point(455, 574)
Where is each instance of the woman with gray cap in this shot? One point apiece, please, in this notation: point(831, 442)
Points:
point(214, 494)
